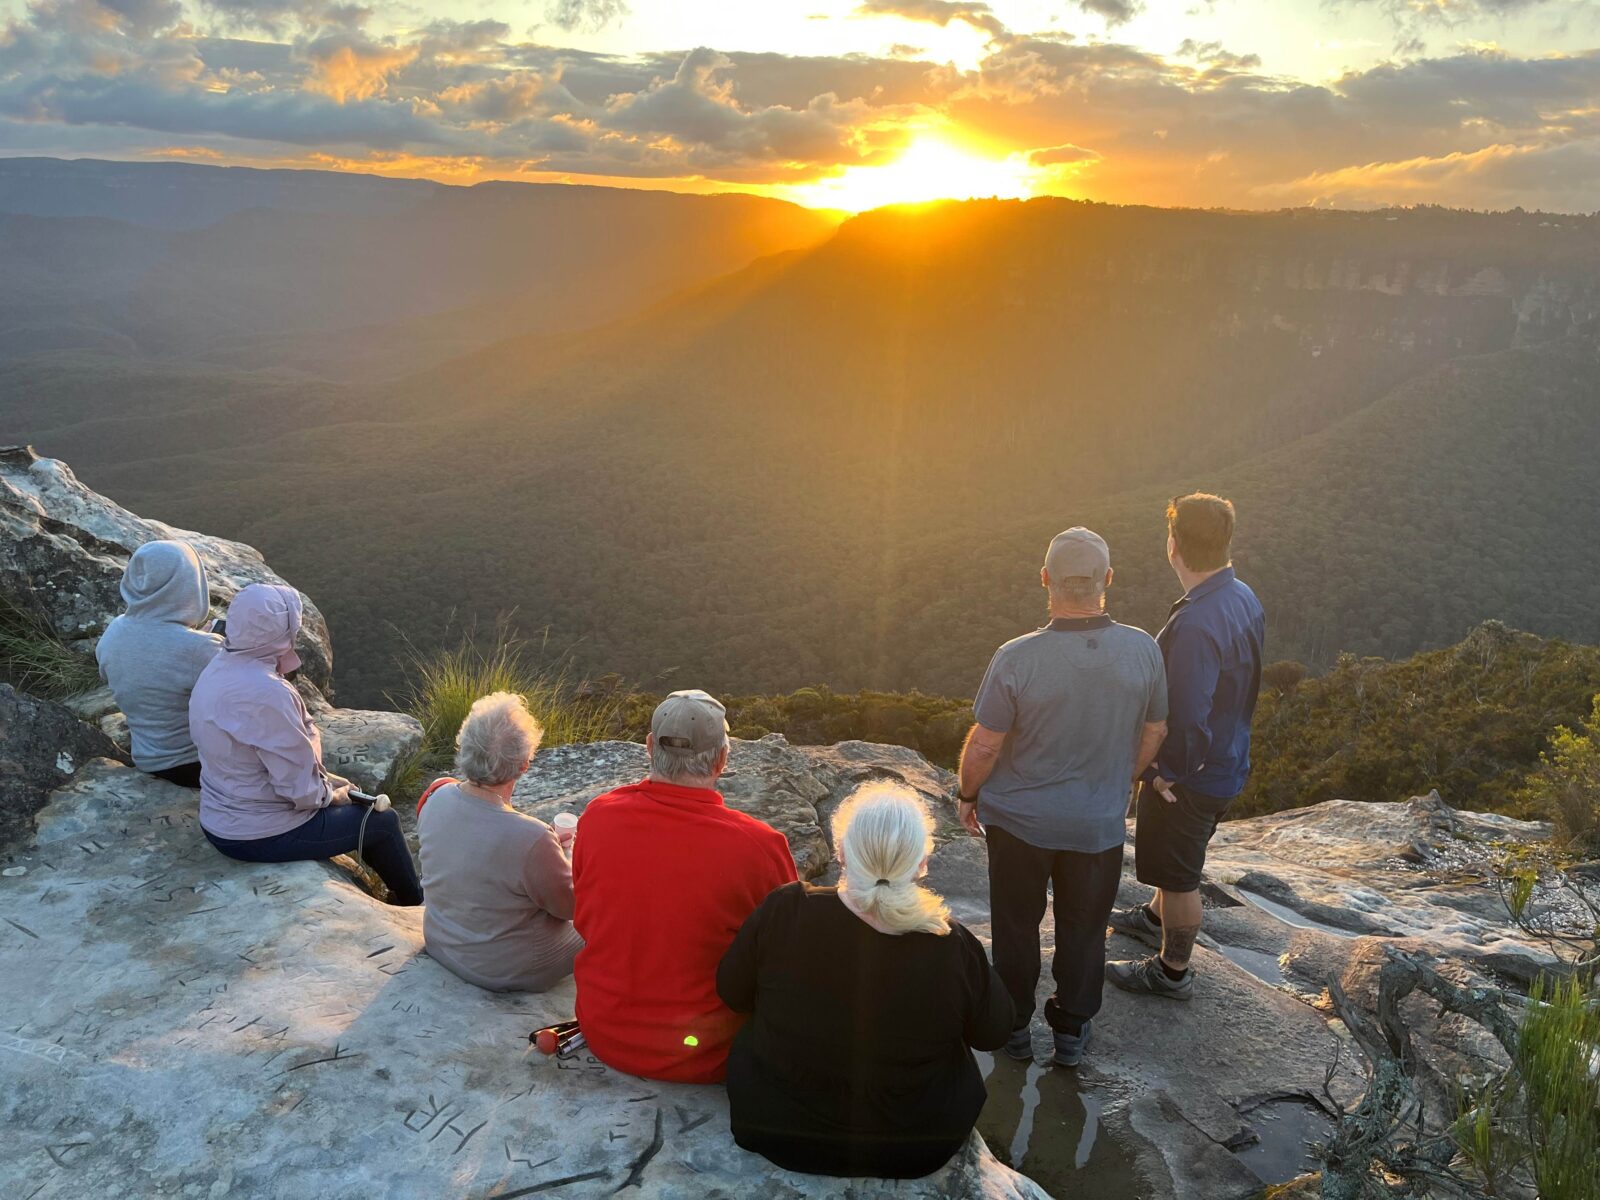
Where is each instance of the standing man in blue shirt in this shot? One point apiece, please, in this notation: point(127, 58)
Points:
point(1067, 718)
point(1212, 647)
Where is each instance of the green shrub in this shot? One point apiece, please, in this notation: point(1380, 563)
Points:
point(1470, 720)
point(1566, 787)
point(1538, 1122)
point(1556, 1057)
point(1283, 676)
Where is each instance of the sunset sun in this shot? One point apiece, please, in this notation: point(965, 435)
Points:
point(927, 169)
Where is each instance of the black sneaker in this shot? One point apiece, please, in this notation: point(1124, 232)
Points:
point(1020, 1044)
point(1136, 922)
point(1070, 1046)
point(1147, 975)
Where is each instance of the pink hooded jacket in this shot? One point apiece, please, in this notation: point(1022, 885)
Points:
point(260, 755)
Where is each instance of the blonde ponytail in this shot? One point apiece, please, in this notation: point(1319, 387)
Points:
point(882, 833)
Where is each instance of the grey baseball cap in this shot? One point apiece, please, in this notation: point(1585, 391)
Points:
point(1078, 553)
point(692, 720)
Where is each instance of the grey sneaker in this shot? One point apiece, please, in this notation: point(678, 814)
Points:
point(1020, 1044)
point(1146, 975)
point(1136, 923)
point(1070, 1047)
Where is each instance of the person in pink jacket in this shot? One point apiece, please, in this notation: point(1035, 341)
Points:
point(264, 794)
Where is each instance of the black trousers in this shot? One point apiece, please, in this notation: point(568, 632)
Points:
point(1085, 887)
point(187, 775)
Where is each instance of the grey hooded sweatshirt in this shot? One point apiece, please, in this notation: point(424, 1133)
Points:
point(153, 653)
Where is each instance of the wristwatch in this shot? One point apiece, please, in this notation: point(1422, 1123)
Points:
point(966, 799)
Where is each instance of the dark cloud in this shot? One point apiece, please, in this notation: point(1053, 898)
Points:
point(1414, 19)
point(938, 12)
point(279, 18)
point(1113, 12)
point(764, 79)
point(1452, 12)
point(1214, 54)
point(585, 14)
point(697, 105)
point(297, 118)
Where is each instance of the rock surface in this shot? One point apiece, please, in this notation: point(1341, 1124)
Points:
point(99, 708)
point(795, 789)
point(63, 548)
point(163, 1002)
point(42, 745)
point(181, 1024)
point(1337, 879)
point(362, 744)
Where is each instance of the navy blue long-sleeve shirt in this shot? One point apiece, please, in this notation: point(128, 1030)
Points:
point(1212, 645)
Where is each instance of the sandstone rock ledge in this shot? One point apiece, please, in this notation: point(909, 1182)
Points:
point(177, 1024)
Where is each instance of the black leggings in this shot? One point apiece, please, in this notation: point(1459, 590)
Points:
point(332, 831)
point(187, 775)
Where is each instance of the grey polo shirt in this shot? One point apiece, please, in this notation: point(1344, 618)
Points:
point(1072, 699)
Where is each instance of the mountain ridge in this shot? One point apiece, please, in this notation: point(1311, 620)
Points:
point(839, 462)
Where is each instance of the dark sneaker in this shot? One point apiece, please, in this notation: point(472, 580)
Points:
point(1020, 1045)
point(1146, 975)
point(1137, 923)
point(1070, 1046)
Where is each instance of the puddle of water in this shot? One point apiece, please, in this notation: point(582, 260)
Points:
point(1286, 1129)
point(1041, 1122)
point(1289, 917)
point(1264, 967)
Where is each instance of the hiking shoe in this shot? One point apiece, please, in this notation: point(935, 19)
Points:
point(1070, 1046)
point(1147, 975)
point(1136, 922)
point(1020, 1044)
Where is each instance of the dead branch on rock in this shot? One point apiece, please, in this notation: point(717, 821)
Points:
point(1515, 886)
point(1528, 1128)
point(1383, 1146)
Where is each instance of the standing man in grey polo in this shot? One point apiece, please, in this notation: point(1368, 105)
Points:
point(1067, 718)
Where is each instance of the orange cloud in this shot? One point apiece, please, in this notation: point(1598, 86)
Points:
point(354, 70)
point(205, 152)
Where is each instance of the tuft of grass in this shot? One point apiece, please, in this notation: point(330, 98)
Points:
point(442, 685)
point(1538, 1122)
point(1558, 1059)
point(34, 660)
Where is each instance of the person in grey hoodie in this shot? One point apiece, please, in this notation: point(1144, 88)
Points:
point(264, 793)
point(152, 654)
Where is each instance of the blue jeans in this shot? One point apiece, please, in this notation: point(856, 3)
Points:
point(333, 831)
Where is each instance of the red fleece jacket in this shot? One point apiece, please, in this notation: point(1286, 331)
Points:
point(664, 876)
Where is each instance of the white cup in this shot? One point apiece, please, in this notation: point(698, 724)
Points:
point(566, 827)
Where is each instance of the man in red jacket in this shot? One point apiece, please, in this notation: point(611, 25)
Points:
point(664, 874)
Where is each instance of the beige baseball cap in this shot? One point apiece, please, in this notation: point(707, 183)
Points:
point(1078, 553)
point(692, 721)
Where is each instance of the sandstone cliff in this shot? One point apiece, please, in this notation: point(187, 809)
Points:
point(177, 1023)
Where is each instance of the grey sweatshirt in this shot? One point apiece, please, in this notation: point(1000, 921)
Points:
point(499, 890)
point(152, 654)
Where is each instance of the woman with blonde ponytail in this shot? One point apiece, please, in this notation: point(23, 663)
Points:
point(866, 1001)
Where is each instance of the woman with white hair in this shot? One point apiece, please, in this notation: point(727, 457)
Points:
point(498, 881)
point(867, 1000)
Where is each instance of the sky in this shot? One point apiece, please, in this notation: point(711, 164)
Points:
point(1484, 104)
